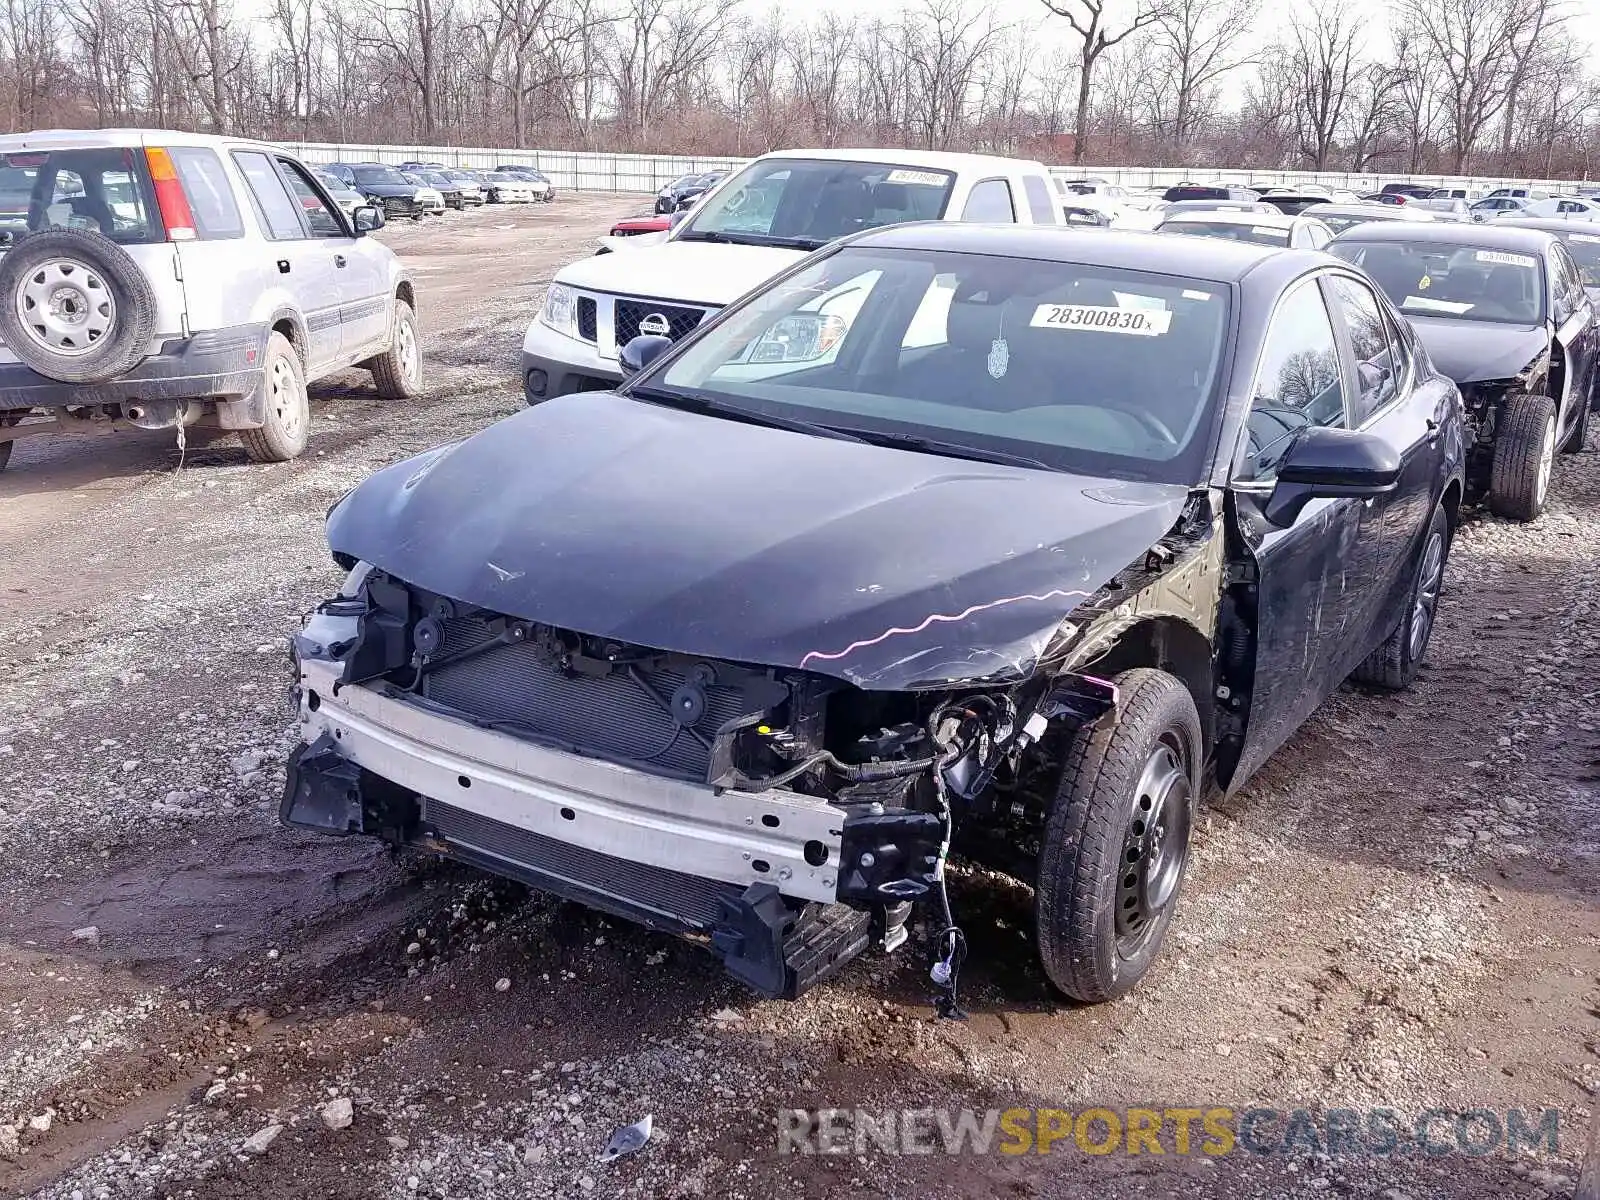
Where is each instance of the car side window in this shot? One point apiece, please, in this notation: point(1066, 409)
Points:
point(210, 194)
point(1378, 371)
point(1040, 206)
point(280, 218)
point(1566, 283)
point(1298, 382)
point(324, 222)
point(990, 202)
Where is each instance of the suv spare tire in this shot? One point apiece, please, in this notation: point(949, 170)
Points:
point(74, 306)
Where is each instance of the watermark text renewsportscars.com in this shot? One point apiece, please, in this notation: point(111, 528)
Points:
point(1209, 1131)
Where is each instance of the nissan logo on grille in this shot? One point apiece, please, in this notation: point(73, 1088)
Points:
point(656, 325)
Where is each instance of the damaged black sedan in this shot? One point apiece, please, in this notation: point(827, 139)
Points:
point(1504, 312)
point(994, 541)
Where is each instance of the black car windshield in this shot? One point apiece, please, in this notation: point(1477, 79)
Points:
point(1233, 231)
point(1585, 249)
point(808, 202)
point(1440, 279)
point(371, 175)
point(1092, 369)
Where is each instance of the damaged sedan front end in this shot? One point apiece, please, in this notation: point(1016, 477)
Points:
point(747, 651)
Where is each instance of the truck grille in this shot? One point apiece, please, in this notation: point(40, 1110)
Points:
point(632, 313)
point(588, 319)
point(519, 687)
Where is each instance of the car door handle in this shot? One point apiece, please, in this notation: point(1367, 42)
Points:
point(283, 266)
point(338, 260)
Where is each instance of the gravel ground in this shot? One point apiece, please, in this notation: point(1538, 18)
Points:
point(1400, 911)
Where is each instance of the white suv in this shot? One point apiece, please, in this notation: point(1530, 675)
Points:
point(164, 280)
point(753, 225)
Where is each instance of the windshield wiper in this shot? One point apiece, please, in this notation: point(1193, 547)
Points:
point(912, 441)
point(705, 235)
point(692, 402)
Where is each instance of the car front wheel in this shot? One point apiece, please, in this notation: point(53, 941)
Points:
point(1524, 453)
point(1116, 841)
point(1393, 665)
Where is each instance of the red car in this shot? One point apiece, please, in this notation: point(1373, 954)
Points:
point(629, 226)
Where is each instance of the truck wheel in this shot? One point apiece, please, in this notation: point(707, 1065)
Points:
point(1524, 452)
point(1117, 839)
point(1394, 663)
point(74, 306)
point(288, 426)
point(398, 370)
point(1580, 431)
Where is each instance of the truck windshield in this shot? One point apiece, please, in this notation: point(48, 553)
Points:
point(807, 202)
point(104, 190)
point(1099, 370)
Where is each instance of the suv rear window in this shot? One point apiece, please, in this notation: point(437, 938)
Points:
point(106, 190)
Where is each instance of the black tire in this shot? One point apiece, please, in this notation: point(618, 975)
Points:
point(7, 420)
point(397, 372)
point(76, 286)
point(1100, 915)
point(1394, 663)
point(1580, 430)
point(288, 426)
point(1524, 446)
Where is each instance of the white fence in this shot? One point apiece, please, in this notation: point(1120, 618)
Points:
point(583, 171)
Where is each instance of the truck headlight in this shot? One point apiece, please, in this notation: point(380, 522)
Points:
point(561, 309)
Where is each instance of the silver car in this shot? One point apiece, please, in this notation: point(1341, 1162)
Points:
point(163, 280)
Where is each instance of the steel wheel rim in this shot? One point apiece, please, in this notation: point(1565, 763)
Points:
point(1547, 458)
point(284, 398)
point(65, 306)
point(1430, 575)
point(407, 338)
point(1154, 844)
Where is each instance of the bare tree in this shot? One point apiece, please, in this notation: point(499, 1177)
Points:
point(1197, 43)
point(1093, 27)
point(1324, 68)
point(945, 47)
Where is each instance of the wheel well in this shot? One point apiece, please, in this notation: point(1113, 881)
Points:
point(1451, 501)
point(1173, 646)
point(405, 292)
point(291, 331)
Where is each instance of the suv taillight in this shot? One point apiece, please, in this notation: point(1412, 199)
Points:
point(174, 205)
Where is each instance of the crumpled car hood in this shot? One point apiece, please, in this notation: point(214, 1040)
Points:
point(676, 531)
point(1475, 351)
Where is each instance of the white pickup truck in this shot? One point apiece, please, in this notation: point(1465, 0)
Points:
point(756, 223)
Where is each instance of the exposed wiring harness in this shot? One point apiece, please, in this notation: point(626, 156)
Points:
point(949, 943)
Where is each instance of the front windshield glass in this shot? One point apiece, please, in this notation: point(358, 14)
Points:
point(332, 182)
point(377, 175)
point(1585, 249)
point(1339, 222)
point(806, 202)
point(1438, 279)
point(1092, 369)
point(1259, 235)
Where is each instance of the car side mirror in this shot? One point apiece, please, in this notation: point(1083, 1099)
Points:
point(677, 217)
point(1326, 463)
point(643, 350)
point(368, 218)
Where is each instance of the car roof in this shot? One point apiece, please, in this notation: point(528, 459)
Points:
point(1212, 259)
point(72, 139)
point(1374, 212)
point(1555, 225)
point(1228, 216)
point(1483, 237)
point(939, 159)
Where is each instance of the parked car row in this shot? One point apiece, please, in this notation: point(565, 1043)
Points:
point(418, 189)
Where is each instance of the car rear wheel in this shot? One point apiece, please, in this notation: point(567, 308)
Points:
point(6, 421)
point(1524, 454)
point(1117, 839)
point(398, 370)
point(1395, 662)
point(288, 423)
point(74, 306)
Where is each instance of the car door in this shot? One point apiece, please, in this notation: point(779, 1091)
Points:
point(1308, 576)
point(1386, 399)
point(1576, 333)
point(359, 265)
point(303, 264)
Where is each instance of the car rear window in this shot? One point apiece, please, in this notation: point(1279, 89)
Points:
point(106, 190)
point(210, 196)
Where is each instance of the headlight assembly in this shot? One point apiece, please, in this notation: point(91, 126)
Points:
point(561, 309)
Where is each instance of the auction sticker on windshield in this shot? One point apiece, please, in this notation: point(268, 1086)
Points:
point(920, 178)
point(1455, 308)
point(1504, 259)
point(1140, 322)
